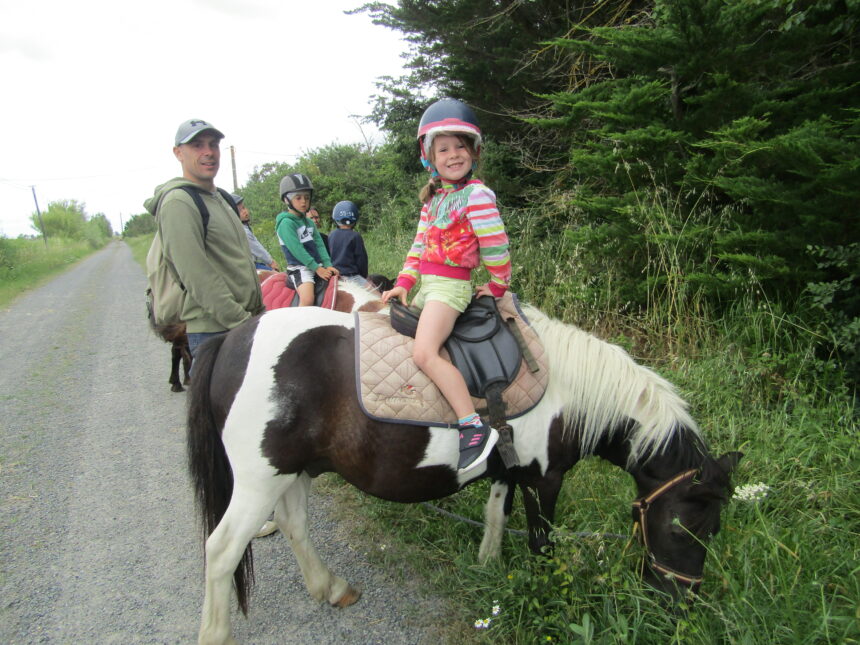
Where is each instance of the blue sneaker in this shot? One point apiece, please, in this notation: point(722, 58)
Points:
point(476, 444)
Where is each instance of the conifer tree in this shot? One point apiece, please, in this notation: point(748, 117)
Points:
point(737, 121)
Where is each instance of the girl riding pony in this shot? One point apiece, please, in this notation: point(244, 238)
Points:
point(459, 229)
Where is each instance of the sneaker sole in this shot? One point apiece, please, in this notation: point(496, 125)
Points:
point(488, 448)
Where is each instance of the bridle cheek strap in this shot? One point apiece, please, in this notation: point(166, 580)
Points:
point(642, 505)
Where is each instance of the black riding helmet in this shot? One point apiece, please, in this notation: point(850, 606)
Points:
point(345, 213)
point(293, 184)
point(451, 117)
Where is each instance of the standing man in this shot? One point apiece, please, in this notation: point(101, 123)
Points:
point(212, 260)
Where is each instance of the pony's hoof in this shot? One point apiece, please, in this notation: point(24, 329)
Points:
point(350, 597)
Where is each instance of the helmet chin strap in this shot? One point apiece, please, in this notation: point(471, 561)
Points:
point(430, 167)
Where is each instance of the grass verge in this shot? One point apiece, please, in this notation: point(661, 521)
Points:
point(139, 246)
point(783, 569)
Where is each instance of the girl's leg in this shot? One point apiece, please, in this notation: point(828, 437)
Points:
point(306, 294)
point(434, 326)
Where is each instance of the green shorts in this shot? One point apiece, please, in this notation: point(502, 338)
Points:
point(454, 292)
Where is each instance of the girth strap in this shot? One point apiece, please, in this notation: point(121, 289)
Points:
point(498, 419)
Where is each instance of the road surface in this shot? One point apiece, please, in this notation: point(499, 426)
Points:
point(99, 542)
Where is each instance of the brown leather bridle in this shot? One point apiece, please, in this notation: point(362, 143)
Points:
point(643, 504)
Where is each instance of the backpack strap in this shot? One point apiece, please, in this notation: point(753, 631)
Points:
point(229, 199)
point(194, 193)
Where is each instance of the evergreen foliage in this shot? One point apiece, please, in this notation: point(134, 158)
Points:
point(492, 55)
point(741, 115)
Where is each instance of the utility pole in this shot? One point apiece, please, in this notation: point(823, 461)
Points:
point(119, 232)
point(39, 213)
point(233, 160)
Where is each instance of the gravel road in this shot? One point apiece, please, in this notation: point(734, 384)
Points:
point(99, 542)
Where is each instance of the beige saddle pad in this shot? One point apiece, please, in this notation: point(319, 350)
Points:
point(392, 388)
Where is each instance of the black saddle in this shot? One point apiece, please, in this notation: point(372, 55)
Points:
point(481, 344)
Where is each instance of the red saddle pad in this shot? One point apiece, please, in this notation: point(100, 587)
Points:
point(276, 293)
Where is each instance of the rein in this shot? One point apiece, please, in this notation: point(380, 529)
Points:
point(643, 504)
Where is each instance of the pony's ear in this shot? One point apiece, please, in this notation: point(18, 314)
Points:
point(729, 460)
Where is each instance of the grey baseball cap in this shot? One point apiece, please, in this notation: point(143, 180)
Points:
point(192, 127)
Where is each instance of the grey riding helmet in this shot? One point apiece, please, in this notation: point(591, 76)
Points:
point(294, 183)
point(345, 213)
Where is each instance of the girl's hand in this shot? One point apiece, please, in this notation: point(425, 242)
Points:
point(324, 273)
point(334, 271)
point(484, 290)
point(396, 292)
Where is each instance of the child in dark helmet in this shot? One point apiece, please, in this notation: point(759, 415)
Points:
point(307, 258)
point(459, 229)
point(348, 254)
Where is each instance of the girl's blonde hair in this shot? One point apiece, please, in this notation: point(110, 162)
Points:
point(434, 183)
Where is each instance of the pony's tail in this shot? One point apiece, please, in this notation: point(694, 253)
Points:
point(210, 470)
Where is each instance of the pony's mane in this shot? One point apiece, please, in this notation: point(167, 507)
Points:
point(361, 295)
point(605, 389)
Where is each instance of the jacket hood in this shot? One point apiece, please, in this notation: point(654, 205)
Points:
point(152, 203)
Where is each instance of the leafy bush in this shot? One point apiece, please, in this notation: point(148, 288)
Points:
point(141, 224)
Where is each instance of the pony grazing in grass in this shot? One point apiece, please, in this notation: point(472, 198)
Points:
point(274, 404)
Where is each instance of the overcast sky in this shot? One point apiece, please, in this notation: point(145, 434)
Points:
point(95, 89)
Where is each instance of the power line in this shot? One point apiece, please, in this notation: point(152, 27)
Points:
point(26, 186)
point(271, 154)
point(15, 183)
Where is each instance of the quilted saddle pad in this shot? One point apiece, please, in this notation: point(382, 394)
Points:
point(392, 388)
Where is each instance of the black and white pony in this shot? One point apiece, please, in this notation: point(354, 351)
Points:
point(273, 405)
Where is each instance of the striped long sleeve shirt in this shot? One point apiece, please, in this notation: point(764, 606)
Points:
point(459, 229)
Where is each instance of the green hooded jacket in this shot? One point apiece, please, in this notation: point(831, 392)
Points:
point(218, 273)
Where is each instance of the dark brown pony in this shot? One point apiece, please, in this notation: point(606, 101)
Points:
point(180, 353)
point(275, 398)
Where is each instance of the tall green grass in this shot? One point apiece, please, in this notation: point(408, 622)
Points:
point(26, 263)
point(139, 246)
point(784, 567)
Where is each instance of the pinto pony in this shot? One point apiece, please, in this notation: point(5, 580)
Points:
point(273, 405)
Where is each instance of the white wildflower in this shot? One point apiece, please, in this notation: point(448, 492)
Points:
point(496, 610)
point(751, 492)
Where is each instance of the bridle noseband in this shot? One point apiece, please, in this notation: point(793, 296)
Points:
point(643, 504)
